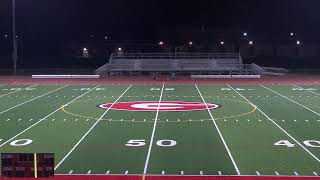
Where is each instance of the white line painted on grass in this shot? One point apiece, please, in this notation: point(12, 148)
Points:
point(258, 173)
point(46, 117)
point(163, 172)
point(32, 99)
point(181, 172)
point(276, 172)
point(295, 173)
point(218, 130)
point(291, 100)
point(92, 127)
point(89, 172)
point(108, 172)
point(220, 173)
point(153, 132)
point(201, 172)
point(309, 152)
point(314, 173)
point(70, 172)
point(305, 89)
point(17, 90)
point(126, 172)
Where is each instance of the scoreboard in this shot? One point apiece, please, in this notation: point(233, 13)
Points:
point(28, 165)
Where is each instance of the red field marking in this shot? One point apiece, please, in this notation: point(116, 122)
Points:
point(165, 106)
point(303, 79)
point(111, 177)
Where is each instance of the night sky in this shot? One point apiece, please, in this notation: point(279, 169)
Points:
point(142, 19)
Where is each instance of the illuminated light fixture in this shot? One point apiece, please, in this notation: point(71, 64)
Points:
point(190, 43)
point(85, 49)
point(119, 49)
point(291, 34)
point(161, 43)
point(250, 42)
point(245, 34)
point(298, 42)
point(222, 42)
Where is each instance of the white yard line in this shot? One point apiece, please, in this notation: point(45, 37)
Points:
point(305, 89)
point(17, 90)
point(218, 130)
point(32, 99)
point(92, 127)
point(291, 100)
point(153, 132)
point(46, 117)
point(309, 152)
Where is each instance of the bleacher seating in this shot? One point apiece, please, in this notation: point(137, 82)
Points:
point(174, 62)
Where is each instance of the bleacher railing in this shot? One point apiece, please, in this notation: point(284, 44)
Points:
point(175, 56)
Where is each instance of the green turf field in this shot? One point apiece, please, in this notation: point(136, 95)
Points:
point(257, 130)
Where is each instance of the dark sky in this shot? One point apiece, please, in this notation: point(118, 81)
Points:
point(140, 19)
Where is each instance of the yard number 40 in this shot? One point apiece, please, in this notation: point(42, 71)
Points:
point(142, 142)
point(310, 143)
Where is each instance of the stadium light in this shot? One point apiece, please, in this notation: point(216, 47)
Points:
point(298, 42)
point(85, 49)
point(291, 34)
point(250, 42)
point(222, 42)
point(106, 38)
point(119, 49)
point(245, 34)
point(6, 35)
point(161, 43)
point(190, 43)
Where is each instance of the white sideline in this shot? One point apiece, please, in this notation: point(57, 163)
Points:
point(291, 100)
point(33, 99)
point(218, 130)
point(309, 152)
point(46, 117)
point(93, 126)
point(153, 132)
point(65, 76)
point(17, 90)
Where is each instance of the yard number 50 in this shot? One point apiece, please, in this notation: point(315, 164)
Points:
point(142, 142)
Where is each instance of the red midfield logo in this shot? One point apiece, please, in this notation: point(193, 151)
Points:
point(163, 106)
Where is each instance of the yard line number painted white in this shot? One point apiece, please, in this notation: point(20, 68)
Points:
point(305, 89)
point(309, 152)
point(290, 100)
point(218, 130)
point(46, 117)
point(33, 99)
point(153, 132)
point(18, 90)
point(92, 127)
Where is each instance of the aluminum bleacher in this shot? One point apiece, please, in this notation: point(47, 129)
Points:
point(186, 63)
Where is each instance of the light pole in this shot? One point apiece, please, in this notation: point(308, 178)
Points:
point(14, 38)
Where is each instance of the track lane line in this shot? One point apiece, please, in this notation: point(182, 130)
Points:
point(33, 99)
point(220, 134)
point(309, 152)
point(47, 116)
point(18, 90)
point(92, 127)
point(152, 135)
point(290, 100)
